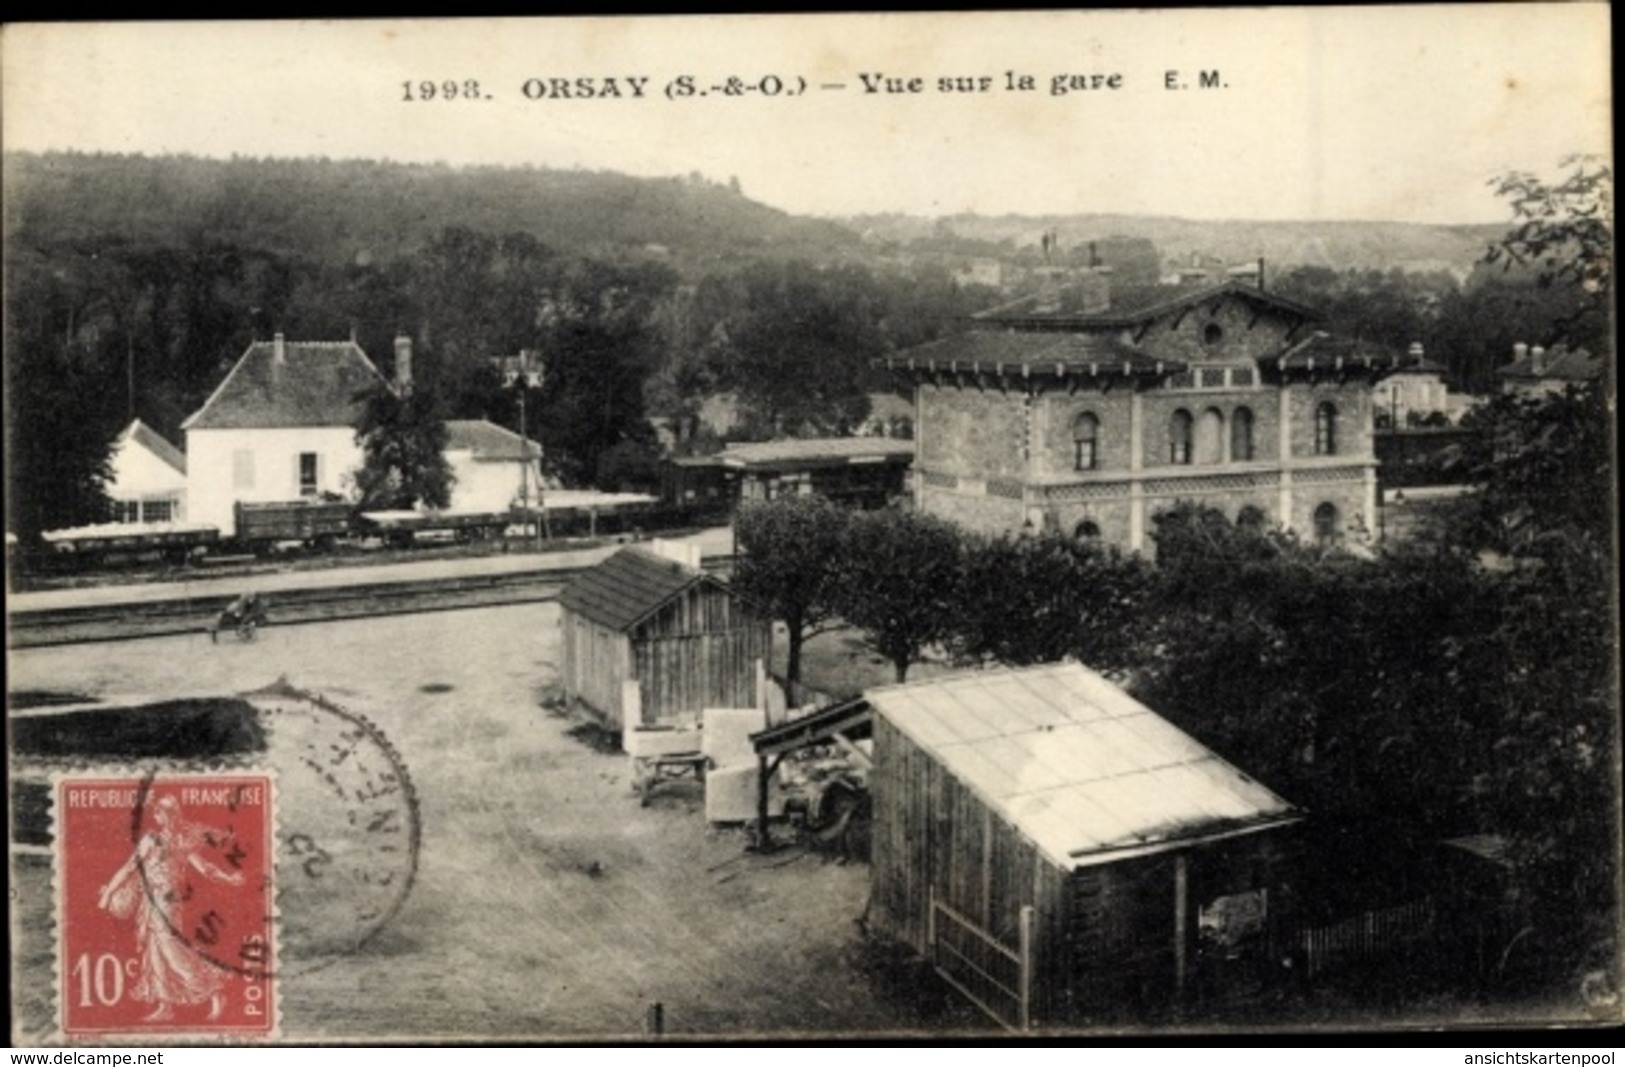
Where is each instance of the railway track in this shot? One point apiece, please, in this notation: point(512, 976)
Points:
point(194, 614)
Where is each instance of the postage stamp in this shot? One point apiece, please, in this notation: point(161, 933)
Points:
point(166, 905)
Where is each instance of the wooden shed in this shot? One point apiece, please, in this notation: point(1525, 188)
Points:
point(680, 634)
point(1062, 854)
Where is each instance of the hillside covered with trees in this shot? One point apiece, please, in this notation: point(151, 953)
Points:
point(133, 284)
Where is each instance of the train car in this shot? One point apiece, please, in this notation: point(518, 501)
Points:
point(401, 529)
point(118, 542)
point(319, 524)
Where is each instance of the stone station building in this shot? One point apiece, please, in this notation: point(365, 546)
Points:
point(1090, 411)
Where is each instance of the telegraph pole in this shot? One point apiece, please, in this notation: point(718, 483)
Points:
point(524, 373)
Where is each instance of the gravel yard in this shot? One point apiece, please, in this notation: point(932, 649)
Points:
point(548, 904)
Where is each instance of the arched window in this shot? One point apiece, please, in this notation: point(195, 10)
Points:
point(1241, 435)
point(1326, 429)
point(1179, 437)
point(1087, 530)
point(1326, 523)
point(1085, 442)
point(1210, 437)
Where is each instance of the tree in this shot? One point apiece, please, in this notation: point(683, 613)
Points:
point(1544, 472)
point(899, 582)
point(403, 442)
point(1564, 231)
point(1544, 508)
point(801, 351)
point(596, 337)
point(1313, 668)
point(790, 562)
point(64, 399)
point(1030, 600)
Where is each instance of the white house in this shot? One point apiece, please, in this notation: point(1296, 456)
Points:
point(1538, 372)
point(281, 426)
point(149, 477)
point(1416, 387)
point(487, 461)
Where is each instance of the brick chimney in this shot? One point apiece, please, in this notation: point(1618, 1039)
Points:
point(403, 364)
point(1537, 359)
point(1094, 293)
point(279, 350)
point(1416, 352)
point(1520, 352)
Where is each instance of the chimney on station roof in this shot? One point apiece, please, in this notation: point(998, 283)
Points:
point(1094, 293)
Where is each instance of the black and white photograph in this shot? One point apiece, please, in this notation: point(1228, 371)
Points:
point(811, 527)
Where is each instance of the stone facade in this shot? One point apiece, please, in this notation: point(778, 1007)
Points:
point(978, 432)
point(1092, 425)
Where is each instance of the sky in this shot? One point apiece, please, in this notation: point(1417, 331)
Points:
point(1358, 113)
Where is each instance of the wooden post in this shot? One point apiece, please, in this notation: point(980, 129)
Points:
point(761, 803)
point(1026, 984)
point(655, 1022)
point(631, 705)
point(1181, 916)
point(931, 922)
point(764, 771)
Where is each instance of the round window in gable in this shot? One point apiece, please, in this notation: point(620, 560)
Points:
point(1212, 334)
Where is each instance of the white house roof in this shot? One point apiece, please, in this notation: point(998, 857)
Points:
point(141, 434)
point(1081, 768)
point(279, 384)
point(487, 441)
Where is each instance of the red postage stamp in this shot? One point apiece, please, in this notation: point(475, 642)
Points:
point(166, 905)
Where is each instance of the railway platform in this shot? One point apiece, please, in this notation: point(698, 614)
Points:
point(106, 612)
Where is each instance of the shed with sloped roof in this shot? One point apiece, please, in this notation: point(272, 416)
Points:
point(650, 641)
point(1061, 852)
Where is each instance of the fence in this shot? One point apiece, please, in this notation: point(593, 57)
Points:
point(996, 978)
point(1366, 936)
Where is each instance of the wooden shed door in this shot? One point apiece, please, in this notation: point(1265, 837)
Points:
point(1120, 934)
point(997, 977)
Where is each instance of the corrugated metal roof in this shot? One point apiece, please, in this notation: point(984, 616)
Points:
point(1081, 768)
point(628, 587)
point(314, 383)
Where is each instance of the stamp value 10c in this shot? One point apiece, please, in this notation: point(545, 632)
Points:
point(166, 908)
